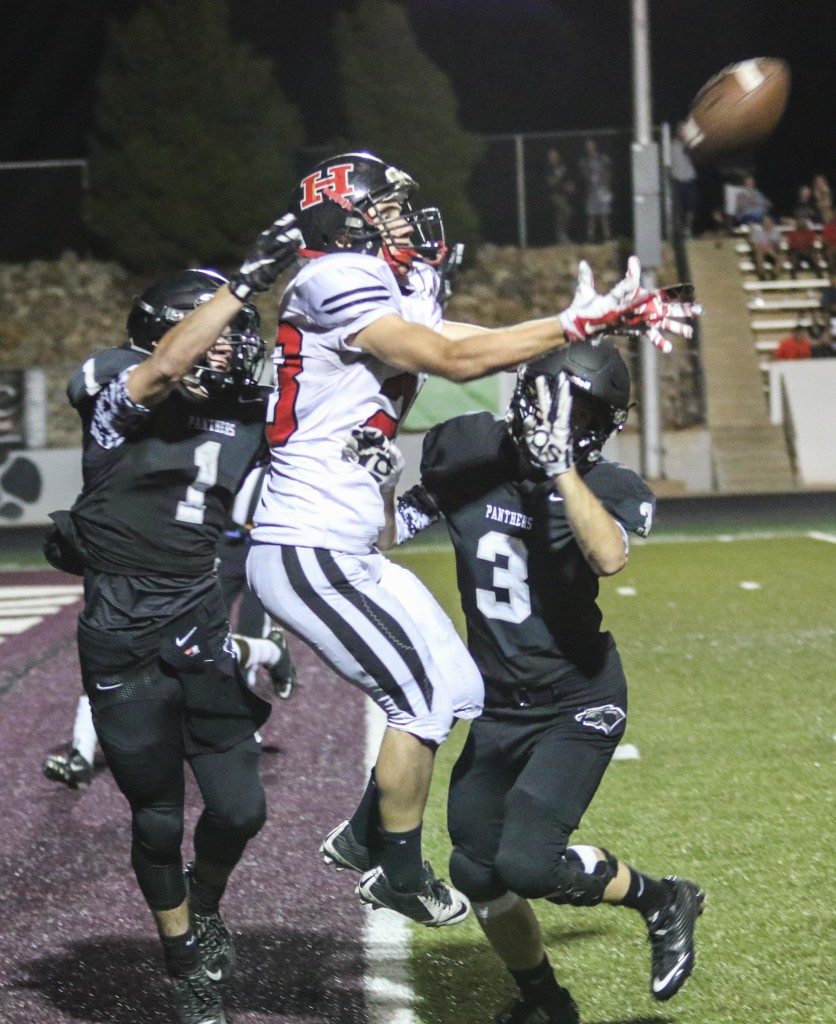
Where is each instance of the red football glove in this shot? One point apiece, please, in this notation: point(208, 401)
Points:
point(627, 308)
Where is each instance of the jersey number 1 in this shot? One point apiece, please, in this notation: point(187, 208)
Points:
point(206, 457)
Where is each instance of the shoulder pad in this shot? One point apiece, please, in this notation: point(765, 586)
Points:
point(463, 452)
point(88, 379)
point(340, 288)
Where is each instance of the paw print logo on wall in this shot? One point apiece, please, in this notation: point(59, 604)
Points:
point(20, 484)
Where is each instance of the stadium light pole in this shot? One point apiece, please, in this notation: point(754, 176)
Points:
point(647, 228)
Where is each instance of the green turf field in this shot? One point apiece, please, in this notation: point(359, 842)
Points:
point(729, 648)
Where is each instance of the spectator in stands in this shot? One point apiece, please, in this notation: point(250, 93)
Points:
point(805, 206)
point(684, 184)
point(822, 342)
point(828, 244)
point(595, 169)
point(823, 198)
point(765, 240)
point(828, 299)
point(561, 189)
point(733, 173)
point(750, 204)
point(801, 247)
point(795, 345)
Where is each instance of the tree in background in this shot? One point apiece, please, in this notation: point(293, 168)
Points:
point(194, 145)
point(402, 108)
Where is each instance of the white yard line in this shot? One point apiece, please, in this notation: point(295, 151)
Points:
point(390, 998)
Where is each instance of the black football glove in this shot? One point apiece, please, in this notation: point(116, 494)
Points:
point(274, 250)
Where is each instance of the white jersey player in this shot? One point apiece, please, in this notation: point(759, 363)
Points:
point(359, 326)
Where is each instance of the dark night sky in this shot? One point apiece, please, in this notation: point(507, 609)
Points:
point(515, 65)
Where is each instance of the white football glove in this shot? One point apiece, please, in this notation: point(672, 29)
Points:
point(626, 308)
point(547, 433)
point(376, 454)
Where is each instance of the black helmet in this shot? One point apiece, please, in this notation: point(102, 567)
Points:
point(165, 303)
point(600, 386)
point(335, 205)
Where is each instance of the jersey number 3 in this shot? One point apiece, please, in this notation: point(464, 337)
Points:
point(508, 579)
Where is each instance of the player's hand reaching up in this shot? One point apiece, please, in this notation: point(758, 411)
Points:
point(547, 432)
point(376, 454)
point(274, 250)
point(626, 309)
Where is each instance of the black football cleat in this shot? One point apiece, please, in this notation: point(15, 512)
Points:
point(435, 904)
point(561, 1010)
point(340, 848)
point(73, 770)
point(671, 934)
point(197, 1000)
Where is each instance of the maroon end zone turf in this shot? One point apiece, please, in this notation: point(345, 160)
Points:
point(78, 944)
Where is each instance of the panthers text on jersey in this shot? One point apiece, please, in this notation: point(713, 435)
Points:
point(326, 386)
point(527, 592)
point(159, 503)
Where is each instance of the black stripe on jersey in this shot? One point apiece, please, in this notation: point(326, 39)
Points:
point(382, 620)
point(346, 634)
point(357, 296)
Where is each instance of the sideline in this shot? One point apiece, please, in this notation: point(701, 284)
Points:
point(390, 997)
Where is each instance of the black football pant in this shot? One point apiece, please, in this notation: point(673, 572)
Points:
point(140, 729)
point(524, 780)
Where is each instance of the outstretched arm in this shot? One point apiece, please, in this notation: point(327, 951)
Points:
point(461, 352)
point(180, 348)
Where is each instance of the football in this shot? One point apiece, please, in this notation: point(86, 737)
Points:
point(737, 109)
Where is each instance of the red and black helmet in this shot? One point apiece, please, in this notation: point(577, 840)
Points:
point(336, 205)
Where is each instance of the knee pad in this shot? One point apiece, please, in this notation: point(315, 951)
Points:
point(477, 881)
point(582, 878)
point(224, 843)
point(158, 832)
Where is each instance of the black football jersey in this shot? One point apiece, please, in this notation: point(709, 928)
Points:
point(527, 592)
point(156, 502)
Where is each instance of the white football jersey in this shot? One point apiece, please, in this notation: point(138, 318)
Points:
point(324, 386)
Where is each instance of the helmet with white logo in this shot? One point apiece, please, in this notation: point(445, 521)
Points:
point(337, 207)
point(600, 386)
point(165, 304)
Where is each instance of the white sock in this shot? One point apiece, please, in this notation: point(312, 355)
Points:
point(257, 651)
point(84, 735)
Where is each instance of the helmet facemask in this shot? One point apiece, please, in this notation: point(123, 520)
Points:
point(243, 363)
point(169, 301)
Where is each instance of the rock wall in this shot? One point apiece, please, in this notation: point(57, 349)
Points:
point(54, 314)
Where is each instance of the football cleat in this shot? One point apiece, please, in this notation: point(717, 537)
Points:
point(283, 673)
point(340, 847)
point(72, 769)
point(217, 950)
point(671, 933)
point(196, 999)
point(434, 905)
point(561, 1010)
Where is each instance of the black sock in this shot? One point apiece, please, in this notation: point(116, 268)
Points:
point(537, 984)
point(181, 953)
point(204, 897)
point(646, 894)
point(401, 859)
point(365, 822)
